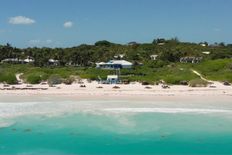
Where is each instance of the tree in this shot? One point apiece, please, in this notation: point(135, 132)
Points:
point(222, 44)
point(103, 43)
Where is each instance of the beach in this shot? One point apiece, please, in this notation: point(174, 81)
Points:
point(134, 90)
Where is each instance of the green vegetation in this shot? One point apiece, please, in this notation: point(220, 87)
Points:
point(80, 62)
point(87, 55)
point(8, 78)
point(217, 70)
point(152, 72)
point(34, 79)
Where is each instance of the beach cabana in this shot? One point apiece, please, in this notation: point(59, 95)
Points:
point(113, 79)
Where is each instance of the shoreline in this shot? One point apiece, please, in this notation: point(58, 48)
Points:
point(134, 91)
point(129, 99)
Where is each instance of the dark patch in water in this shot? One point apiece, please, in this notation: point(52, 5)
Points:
point(27, 130)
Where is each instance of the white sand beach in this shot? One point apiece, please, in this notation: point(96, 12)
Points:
point(133, 90)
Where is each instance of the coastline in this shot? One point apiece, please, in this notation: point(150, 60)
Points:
point(134, 91)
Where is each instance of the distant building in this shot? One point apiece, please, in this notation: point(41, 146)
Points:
point(115, 64)
point(161, 41)
point(13, 61)
point(191, 60)
point(154, 57)
point(112, 79)
point(204, 44)
point(206, 52)
point(18, 61)
point(29, 60)
point(53, 62)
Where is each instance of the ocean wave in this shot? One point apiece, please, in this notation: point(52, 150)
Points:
point(53, 108)
point(165, 110)
point(6, 124)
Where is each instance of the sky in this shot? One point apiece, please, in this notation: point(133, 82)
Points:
point(67, 23)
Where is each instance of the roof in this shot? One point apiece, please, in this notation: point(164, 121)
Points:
point(116, 62)
point(53, 61)
point(206, 52)
point(112, 77)
point(121, 62)
point(29, 60)
point(12, 60)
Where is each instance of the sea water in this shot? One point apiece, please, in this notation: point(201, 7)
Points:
point(114, 127)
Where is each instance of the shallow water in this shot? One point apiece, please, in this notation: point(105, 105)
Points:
point(97, 128)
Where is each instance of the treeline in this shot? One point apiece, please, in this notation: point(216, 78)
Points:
point(170, 50)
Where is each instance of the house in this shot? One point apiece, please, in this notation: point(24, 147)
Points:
point(114, 64)
point(112, 79)
point(18, 61)
point(161, 41)
point(191, 60)
point(206, 52)
point(13, 61)
point(203, 44)
point(154, 57)
point(29, 60)
point(53, 62)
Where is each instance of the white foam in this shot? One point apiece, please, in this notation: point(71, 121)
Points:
point(165, 110)
point(56, 108)
point(6, 124)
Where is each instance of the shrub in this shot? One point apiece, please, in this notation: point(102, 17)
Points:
point(145, 83)
point(34, 79)
point(184, 83)
point(8, 78)
point(54, 80)
point(69, 80)
point(198, 83)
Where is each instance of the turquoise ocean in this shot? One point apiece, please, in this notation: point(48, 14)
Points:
point(119, 130)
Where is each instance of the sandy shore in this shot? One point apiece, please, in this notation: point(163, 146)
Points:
point(42, 100)
point(135, 90)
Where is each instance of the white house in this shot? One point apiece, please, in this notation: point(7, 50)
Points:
point(115, 64)
point(53, 62)
point(203, 45)
point(13, 60)
point(29, 60)
point(18, 61)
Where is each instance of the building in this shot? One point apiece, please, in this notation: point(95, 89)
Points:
point(18, 61)
point(193, 60)
point(115, 64)
point(203, 44)
point(53, 62)
point(29, 60)
point(206, 53)
point(112, 79)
